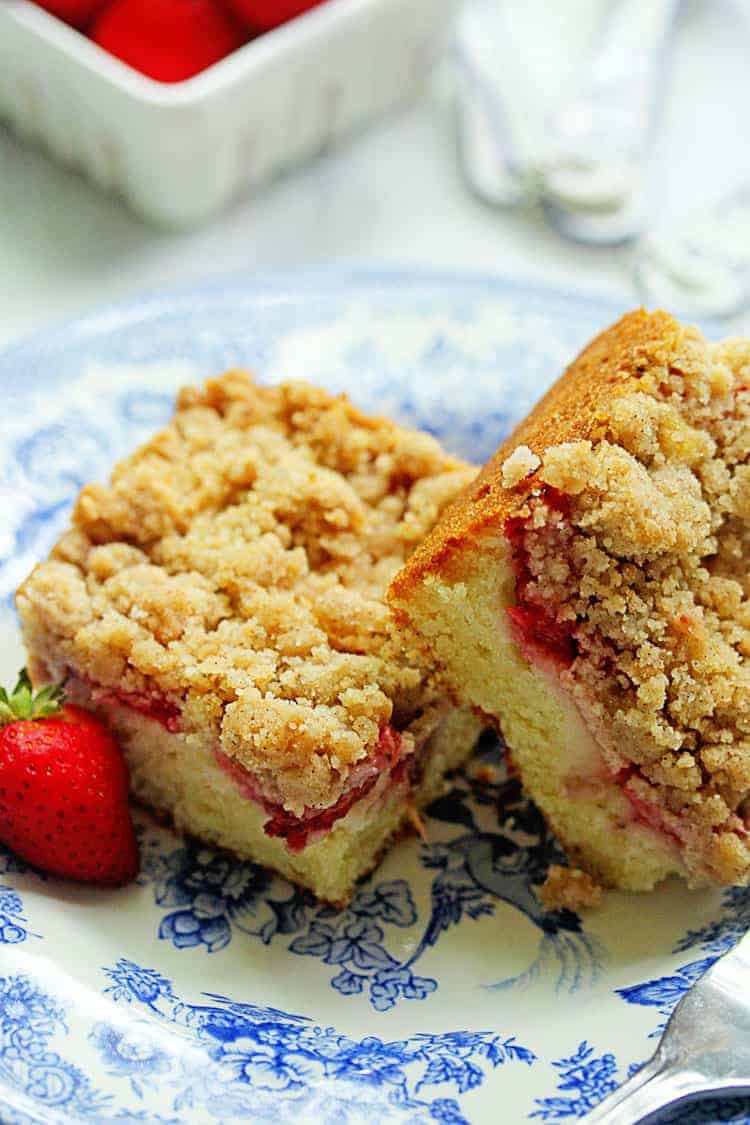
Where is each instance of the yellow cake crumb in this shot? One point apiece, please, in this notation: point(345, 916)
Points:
point(569, 888)
point(521, 464)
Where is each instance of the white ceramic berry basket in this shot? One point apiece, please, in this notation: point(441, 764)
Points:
point(177, 153)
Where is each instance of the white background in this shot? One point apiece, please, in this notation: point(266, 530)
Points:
point(392, 195)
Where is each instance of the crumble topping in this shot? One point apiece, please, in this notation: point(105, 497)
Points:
point(649, 575)
point(235, 566)
point(569, 888)
point(521, 464)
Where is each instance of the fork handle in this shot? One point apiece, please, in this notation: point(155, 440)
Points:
point(655, 1086)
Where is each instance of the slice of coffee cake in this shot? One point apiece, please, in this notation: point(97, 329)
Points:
point(222, 604)
point(589, 594)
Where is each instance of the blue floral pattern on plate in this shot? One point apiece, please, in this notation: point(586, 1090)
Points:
point(212, 991)
point(221, 1060)
point(211, 897)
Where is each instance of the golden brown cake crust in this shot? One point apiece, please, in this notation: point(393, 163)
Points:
point(235, 567)
point(576, 407)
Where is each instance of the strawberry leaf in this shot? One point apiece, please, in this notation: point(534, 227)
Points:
point(47, 701)
point(24, 704)
point(24, 682)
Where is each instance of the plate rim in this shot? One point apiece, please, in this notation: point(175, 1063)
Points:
point(288, 284)
point(279, 287)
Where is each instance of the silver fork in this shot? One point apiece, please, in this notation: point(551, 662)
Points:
point(705, 1048)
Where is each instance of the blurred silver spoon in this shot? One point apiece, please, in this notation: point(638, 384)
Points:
point(497, 128)
point(596, 182)
point(703, 268)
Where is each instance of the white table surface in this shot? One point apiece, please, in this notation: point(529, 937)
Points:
point(392, 195)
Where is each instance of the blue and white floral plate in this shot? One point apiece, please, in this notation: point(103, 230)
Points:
point(211, 992)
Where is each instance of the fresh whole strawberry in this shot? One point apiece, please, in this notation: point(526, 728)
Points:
point(75, 12)
point(169, 40)
point(262, 15)
point(63, 789)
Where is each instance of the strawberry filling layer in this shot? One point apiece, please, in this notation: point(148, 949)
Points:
point(535, 624)
point(297, 830)
point(644, 812)
point(152, 706)
point(542, 636)
point(300, 830)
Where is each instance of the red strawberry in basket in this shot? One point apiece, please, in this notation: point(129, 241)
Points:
point(63, 789)
point(262, 15)
point(75, 12)
point(169, 40)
